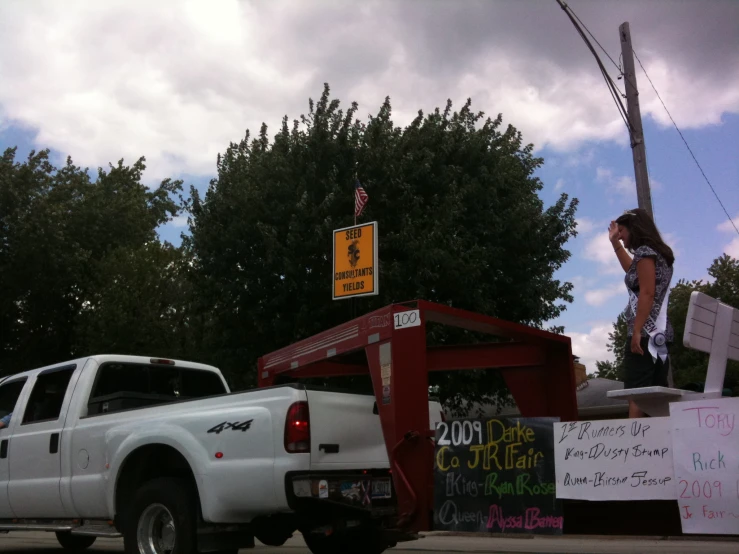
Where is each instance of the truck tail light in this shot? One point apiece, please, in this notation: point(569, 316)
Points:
point(297, 429)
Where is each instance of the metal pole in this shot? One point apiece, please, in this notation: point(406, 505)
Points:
point(638, 147)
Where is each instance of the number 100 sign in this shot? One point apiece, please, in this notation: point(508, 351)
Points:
point(404, 320)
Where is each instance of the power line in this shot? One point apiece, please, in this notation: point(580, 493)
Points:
point(616, 65)
point(687, 145)
point(596, 40)
point(612, 88)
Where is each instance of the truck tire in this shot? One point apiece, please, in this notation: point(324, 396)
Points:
point(74, 543)
point(356, 541)
point(271, 538)
point(162, 519)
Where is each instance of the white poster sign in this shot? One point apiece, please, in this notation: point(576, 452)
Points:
point(614, 459)
point(705, 440)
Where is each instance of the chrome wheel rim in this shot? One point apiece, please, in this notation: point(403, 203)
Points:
point(155, 532)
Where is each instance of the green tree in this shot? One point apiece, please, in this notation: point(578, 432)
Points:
point(139, 303)
point(606, 370)
point(725, 285)
point(617, 340)
point(58, 228)
point(460, 222)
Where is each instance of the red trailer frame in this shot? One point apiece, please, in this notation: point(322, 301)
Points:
point(536, 365)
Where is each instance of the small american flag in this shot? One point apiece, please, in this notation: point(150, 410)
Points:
point(360, 199)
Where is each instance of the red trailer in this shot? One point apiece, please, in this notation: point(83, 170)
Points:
point(536, 365)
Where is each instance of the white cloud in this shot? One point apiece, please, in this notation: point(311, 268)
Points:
point(599, 249)
point(654, 184)
point(728, 226)
point(559, 184)
point(580, 158)
point(672, 240)
point(623, 185)
point(732, 249)
point(177, 81)
point(173, 82)
point(586, 225)
point(603, 175)
point(598, 297)
point(664, 77)
point(179, 221)
point(592, 346)
point(580, 281)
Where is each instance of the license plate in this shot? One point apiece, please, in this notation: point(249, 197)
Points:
point(381, 488)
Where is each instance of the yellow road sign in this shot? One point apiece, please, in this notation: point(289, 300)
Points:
point(355, 261)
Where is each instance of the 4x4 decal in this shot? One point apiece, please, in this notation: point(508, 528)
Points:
point(236, 426)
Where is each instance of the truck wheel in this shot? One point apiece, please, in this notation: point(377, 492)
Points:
point(359, 541)
point(74, 543)
point(271, 538)
point(162, 519)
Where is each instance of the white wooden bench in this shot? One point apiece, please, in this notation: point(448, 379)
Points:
point(712, 327)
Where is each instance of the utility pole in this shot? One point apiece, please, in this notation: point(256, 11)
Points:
point(638, 149)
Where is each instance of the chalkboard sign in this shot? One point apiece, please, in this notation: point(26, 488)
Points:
point(496, 476)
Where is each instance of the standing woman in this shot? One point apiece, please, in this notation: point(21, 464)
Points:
point(648, 276)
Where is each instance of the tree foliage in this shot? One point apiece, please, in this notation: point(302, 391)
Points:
point(139, 302)
point(60, 231)
point(459, 216)
point(454, 194)
point(617, 340)
point(607, 370)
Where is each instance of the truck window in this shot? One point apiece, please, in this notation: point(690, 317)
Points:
point(113, 378)
point(47, 396)
point(124, 386)
point(9, 394)
point(201, 383)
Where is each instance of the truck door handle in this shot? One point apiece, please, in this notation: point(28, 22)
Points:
point(4, 448)
point(54, 443)
point(329, 448)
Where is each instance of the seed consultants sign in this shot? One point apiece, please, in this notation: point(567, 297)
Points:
point(355, 271)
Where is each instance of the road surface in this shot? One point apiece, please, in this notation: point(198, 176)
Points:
point(45, 543)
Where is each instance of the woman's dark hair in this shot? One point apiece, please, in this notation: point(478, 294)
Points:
point(643, 232)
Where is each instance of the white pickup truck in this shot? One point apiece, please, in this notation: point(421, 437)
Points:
point(160, 452)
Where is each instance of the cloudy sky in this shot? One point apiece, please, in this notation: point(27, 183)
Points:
point(176, 81)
